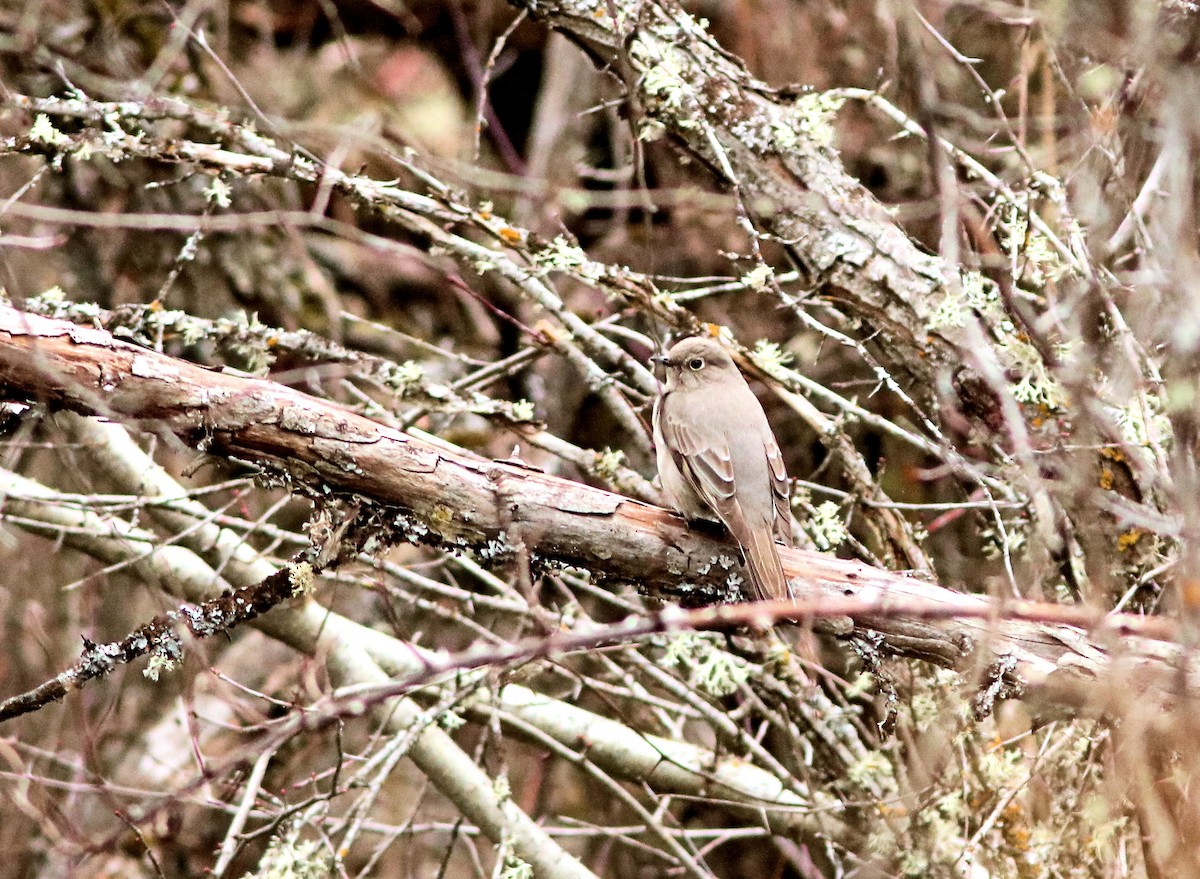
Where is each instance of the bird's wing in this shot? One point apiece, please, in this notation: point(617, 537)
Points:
point(704, 457)
point(779, 491)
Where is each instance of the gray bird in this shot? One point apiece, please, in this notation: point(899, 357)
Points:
point(718, 459)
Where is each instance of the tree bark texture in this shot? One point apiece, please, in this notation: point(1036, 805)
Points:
point(397, 487)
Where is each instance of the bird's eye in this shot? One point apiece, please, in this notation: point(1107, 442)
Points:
point(696, 363)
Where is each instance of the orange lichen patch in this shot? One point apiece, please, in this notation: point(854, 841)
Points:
point(1112, 454)
point(1015, 827)
point(1129, 539)
point(509, 235)
point(548, 333)
point(1106, 478)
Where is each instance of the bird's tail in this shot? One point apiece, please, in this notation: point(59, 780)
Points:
point(769, 581)
point(766, 570)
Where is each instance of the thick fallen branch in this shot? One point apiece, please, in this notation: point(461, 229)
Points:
point(396, 487)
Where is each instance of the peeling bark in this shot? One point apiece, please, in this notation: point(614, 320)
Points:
point(409, 489)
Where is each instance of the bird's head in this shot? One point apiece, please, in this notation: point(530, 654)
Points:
point(695, 363)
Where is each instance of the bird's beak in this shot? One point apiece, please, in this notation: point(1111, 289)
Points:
point(660, 359)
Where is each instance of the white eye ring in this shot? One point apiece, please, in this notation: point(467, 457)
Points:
point(696, 363)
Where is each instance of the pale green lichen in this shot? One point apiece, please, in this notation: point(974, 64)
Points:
point(929, 697)
point(408, 373)
point(117, 142)
point(302, 578)
point(1031, 252)
point(684, 25)
point(1001, 768)
point(515, 868)
point(872, 767)
point(565, 256)
point(934, 839)
point(751, 130)
point(808, 121)
point(978, 297)
point(190, 331)
point(43, 131)
point(218, 193)
point(1037, 262)
point(972, 293)
point(1104, 827)
point(946, 835)
point(523, 410)
point(826, 527)
point(1034, 385)
point(86, 309)
point(939, 836)
point(52, 295)
point(650, 130)
point(772, 359)
point(606, 464)
point(663, 77)
point(912, 863)
point(759, 278)
point(251, 346)
point(862, 684)
point(1143, 422)
point(924, 708)
point(1012, 539)
point(709, 668)
point(291, 859)
point(157, 665)
point(191, 247)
